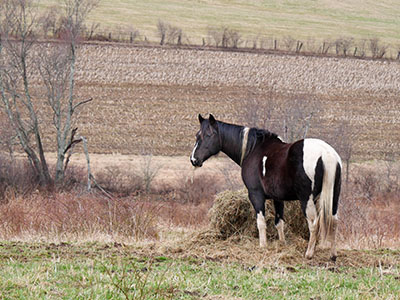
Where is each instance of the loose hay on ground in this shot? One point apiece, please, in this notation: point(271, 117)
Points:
point(232, 233)
point(229, 239)
point(233, 215)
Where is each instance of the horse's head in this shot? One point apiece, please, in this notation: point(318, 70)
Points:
point(208, 141)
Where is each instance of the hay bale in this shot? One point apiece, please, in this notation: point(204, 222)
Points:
point(233, 214)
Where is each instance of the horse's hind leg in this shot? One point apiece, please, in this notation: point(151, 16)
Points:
point(332, 238)
point(310, 212)
point(279, 223)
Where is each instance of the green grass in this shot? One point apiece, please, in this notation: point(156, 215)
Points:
point(113, 271)
point(299, 19)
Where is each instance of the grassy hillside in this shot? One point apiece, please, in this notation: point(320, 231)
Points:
point(304, 19)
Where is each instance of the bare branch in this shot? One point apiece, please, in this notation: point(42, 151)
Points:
point(72, 141)
point(81, 103)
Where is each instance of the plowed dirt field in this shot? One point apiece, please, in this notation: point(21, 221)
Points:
point(146, 100)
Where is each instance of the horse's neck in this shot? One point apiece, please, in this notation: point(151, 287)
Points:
point(231, 141)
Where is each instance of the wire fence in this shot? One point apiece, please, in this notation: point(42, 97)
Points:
point(229, 39)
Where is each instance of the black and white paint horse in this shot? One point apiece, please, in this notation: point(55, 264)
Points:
point(308, 170)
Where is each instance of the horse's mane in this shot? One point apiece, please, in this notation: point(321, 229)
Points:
point(230, 130)
point(257, 135)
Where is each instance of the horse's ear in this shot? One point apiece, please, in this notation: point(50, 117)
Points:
point(212, 120)
point(201, 119)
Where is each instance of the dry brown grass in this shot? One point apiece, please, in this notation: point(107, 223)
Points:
point(181, 201)
point(164, 223)
point(370, 209)
point(126, 211)
point(61, 216)
point(68, 216)
point(247, 251)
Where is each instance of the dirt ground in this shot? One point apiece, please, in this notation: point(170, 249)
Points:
point(168, 168)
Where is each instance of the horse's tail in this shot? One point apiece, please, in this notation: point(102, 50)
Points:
point(330, 162)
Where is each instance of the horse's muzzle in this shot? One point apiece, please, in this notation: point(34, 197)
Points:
point(196, 163)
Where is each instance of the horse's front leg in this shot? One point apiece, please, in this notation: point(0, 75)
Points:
point(279, 223)
point(257, 199)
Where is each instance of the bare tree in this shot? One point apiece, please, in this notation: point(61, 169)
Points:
point(56, 65)
point(17, 38)
point(49, 22)
point(343, 46)
point(91, 31)
point(289, 43)
point(214, 37)
point(174, 35)
point(134, 34)
point(343, 138)
point(224, 37)
point(6, 136)
point(148, 170)
point(298, 113)
point(168, 33)
point(234, 38)
point(291, 117)
point(58, 73)
point(346, 45)
point(254, 41)
point(360, 48)
point(326, 45)
point(377, 50)
point(310, 45)
point(162, 28)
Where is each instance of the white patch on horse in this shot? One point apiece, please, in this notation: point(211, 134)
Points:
point(262, 229)
point(281, 233)
point(311, 211)
point(312, 151)
point(264, 160)
point(194, 150)
point(244, 143)
point(312, 220)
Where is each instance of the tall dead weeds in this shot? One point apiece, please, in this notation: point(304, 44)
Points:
point(66, 216)
point(369, 210)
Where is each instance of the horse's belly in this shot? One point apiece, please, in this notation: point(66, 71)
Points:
point(278, 190)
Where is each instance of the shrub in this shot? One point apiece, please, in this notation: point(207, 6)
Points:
point(369, 209)
point(16, 176)
point(198, 189)
point(119, 182)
